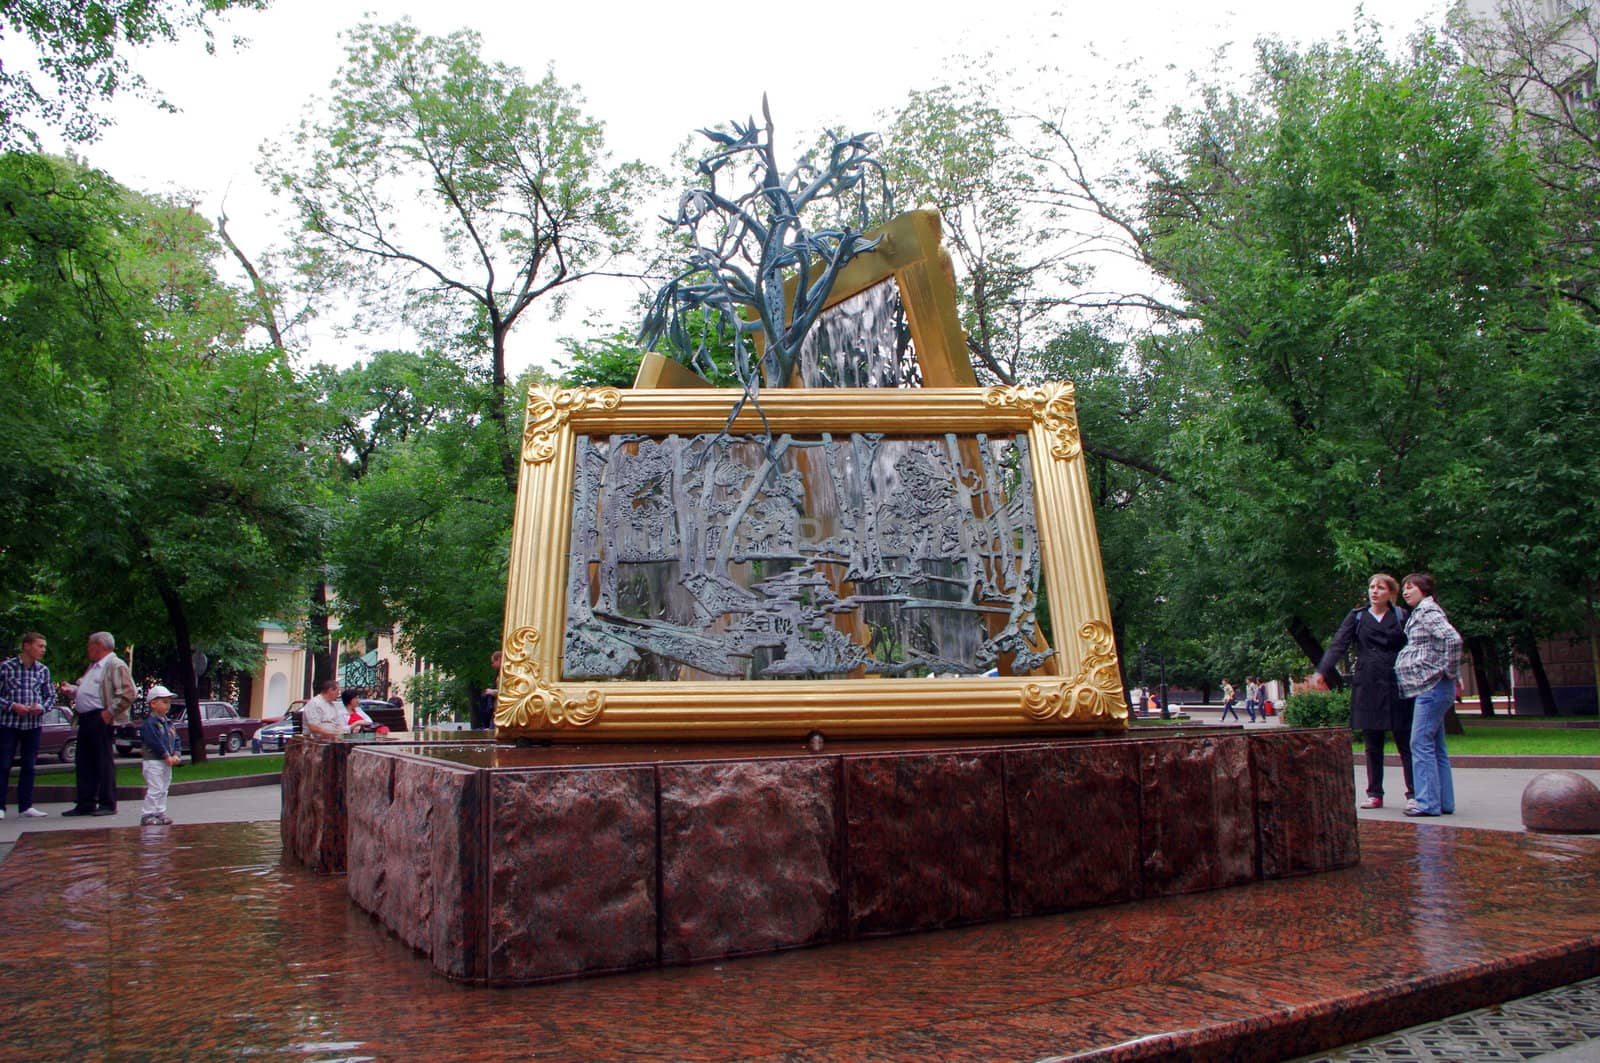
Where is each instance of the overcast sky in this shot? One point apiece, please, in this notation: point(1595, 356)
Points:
point(655, 72)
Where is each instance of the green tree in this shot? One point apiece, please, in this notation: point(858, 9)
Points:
point(80, 58)
point(165, 489)
point(422, 542)
point(511, 177)
point(953, 149)
point(1356, 248)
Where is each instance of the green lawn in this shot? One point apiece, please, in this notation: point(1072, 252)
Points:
point(1487, 739)
point(215, 767)
point(1482, 740)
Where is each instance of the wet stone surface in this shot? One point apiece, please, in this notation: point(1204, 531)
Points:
point(1435, 921)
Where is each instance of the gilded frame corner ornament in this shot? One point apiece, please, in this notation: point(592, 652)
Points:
point(526, 696)
point(550, 407)
point(1053, 405)
point(1082, 688)
point(1094, 693)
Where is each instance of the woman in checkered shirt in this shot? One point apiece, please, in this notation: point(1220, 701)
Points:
point(1427, 669)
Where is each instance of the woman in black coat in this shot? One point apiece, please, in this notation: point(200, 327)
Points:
point(1378, 633)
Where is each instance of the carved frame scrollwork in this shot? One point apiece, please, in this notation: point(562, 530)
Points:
point(1081, 692)
point(549, 409)
point(1054, 406)
point(1093, 694)
point(528, 699)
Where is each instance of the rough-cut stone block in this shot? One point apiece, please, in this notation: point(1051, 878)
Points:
point(1305, 801)
point(369, 784)
point(415, 847)
point(1198, 830)
point(312, 821)
point(1072, 817)
point(925, 841)
point(458, 867)
point(749, 856)
point(572, 873)
point(1561, 802)
point(516, 866)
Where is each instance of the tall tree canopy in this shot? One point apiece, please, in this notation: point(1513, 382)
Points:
point(62, 59)
point(448, 189)
point(159, 482)
point(1359, 251)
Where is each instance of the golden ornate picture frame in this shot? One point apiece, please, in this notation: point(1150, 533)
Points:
point(1084, 693)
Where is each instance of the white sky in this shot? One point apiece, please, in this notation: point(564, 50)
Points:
point(654, 72)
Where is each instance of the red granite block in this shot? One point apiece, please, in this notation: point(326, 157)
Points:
point(1072, 822)
point(313, 816)
point(456, 807)
point(1198, 829)
point(750, 858)
point(1305, 801)
point(925, 841)
point(369, 788)
point(416, 850)
point(572, 873)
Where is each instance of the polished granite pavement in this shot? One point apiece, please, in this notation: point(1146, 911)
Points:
point(243, 956)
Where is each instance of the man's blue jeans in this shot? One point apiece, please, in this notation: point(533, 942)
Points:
point(12, 741)
point(1430, 762)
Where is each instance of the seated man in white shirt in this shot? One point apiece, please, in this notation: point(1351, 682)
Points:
point(323, 716)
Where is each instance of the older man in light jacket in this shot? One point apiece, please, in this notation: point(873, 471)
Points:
point(101, 697)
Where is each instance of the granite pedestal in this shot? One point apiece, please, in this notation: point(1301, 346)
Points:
point(313, 820)
point(514, 866)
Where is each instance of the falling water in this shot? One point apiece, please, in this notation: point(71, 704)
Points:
point(863, 342)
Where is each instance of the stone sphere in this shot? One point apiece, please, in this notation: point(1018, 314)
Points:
point(1561, 802)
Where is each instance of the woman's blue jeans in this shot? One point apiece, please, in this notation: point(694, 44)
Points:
point(1430, 762)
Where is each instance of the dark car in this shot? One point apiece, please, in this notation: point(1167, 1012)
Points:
point(221, 723)
point(275, 735)
point(58, 736)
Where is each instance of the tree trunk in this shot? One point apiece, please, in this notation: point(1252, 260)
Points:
point(1309, 644)
point(1547, 697)
point(509, 450)
point(1122, 668)
point(1482, 661)
point(191, 689)
point(246, 691)
point(319, 645)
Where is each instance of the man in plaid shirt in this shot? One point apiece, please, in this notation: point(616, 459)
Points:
point(1427, 669)
point(25, 696)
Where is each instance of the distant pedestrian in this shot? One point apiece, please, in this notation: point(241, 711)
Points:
point(355, 718)
point(483, 708)
point(1252, 697)
point(162, 752)
point(25, 696)
point(324, 716)
point(1377, 631)
point(1230, 698)
point(101, 699)
point(1427, 669)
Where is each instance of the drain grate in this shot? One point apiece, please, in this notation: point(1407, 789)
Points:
point(1517, 1030)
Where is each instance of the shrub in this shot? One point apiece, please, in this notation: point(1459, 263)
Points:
point(437, 699)
point(1318, 708)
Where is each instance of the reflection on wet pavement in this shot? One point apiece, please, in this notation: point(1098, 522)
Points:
point(240, 955)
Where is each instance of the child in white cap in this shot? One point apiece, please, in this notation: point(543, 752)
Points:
point(159, 738)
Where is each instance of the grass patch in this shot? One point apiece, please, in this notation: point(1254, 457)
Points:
point(215, 767)
point(1489, 740)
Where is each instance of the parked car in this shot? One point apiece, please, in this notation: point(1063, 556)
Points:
point(58, 736)
point(275, 736)
point(384, 714)
point(220, 722)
